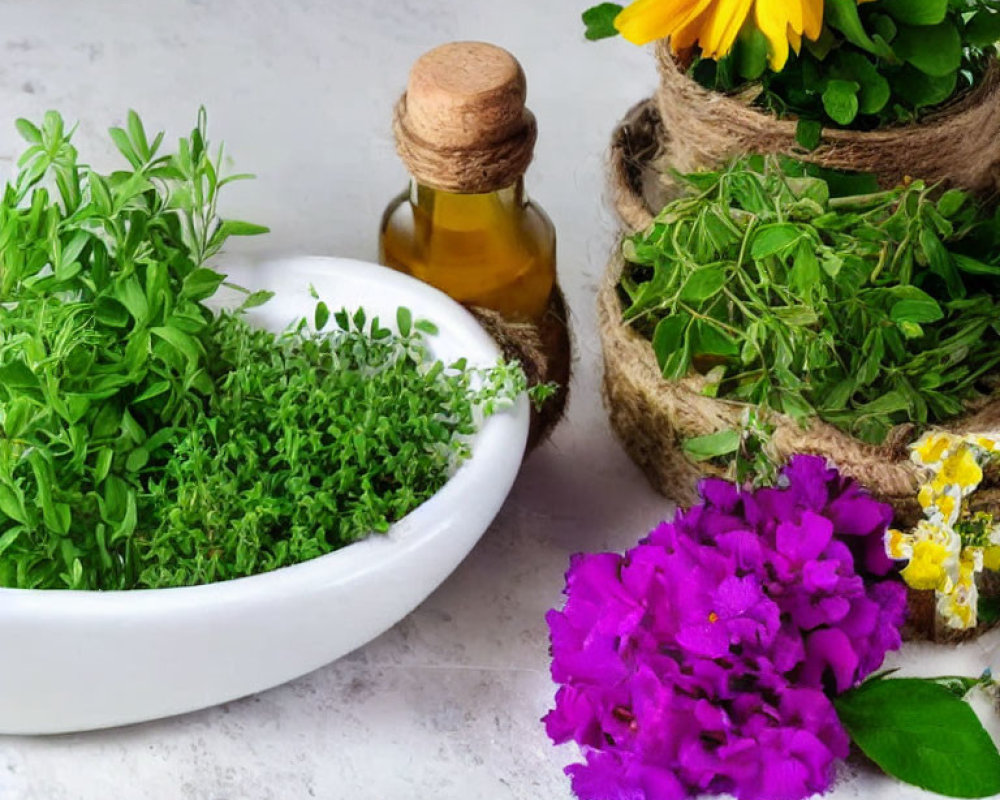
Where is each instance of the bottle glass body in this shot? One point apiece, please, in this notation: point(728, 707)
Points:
point(495, 250)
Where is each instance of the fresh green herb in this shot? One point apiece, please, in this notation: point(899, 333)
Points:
point(102, 341)
point(312, 442)
point(145, 441)
point(868, 311)
point(600, 21)
point(873, 65)
point(924, 733)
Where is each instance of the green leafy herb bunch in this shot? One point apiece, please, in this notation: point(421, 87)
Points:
point(874, 64)
point(146, 441)
point(865, 310)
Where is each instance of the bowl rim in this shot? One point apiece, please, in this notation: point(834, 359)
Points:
point(497, 433)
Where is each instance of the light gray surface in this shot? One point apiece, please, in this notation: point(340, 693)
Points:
point(446, 704)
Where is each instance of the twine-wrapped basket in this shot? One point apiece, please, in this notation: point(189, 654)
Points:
point(653, 416)
point(958, 144)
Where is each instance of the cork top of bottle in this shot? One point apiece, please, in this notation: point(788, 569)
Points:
point(462, 124)
point(465, 93)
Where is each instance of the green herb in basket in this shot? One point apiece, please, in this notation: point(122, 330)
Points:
point(873, 64)
point(868, 311)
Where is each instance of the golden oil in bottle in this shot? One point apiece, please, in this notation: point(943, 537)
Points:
point(465, 224)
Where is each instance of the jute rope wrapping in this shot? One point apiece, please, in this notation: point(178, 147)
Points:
point(474, 169)
point(653, 416)
point(544, 350)
point(959, 145)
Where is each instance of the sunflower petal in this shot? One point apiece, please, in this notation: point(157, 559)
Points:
point(772, 22)
point(812, 18)
point(646, 20)
point(722, 26)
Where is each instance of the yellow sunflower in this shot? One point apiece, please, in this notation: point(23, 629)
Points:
point(714, 24)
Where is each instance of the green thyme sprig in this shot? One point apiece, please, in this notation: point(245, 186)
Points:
point(868, 311)
point(312, 442)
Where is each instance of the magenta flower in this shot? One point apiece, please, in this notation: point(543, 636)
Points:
point(703, 659)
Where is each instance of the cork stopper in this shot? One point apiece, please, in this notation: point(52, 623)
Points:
point(462, 125)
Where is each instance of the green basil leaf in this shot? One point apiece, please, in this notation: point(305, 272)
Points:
point(935, 50)
point(840, 101)
point(921, 733)
point(600, 21)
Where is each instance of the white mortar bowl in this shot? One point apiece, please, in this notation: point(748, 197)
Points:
point(72, 661)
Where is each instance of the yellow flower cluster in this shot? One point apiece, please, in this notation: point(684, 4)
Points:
point(714, 24)
point(939, 558)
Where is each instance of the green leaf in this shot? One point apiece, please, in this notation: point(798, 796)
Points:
point(983, 30)
point(935, 50)
point(843, 16)
point(916, 12)
point(840, 101)
point(180, 341)
point(404, 321)
point(922, 90)
point(232, 227)
point(201, 284)
point(255, 299)
point(921, 733)
point(874, 90)
point(774, 239)
point(703, 283)
point(600, 21)
point(321, 316)
point(751, 53)
point(951, 202)
point(711, 340)
point(712, 445)
point(919, 311)
point(808, 133)
point(974, 266)
point(28, 131)
point(668, 339)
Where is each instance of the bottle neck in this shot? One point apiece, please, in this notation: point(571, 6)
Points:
point(435, 202)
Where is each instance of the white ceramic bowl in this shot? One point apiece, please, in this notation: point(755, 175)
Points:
point(72, 661)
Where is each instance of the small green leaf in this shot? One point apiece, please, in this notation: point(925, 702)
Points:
point(919, 311)
point(775, 239)
point(404, 321)
point(255, 299)
point(232, 227)
point(201, 284)
point(28, 131)
point(600, 21)
point(712, 445)
point(751, 53)
point(840, 100)
point(920, 732)
point(668, 338)
point(809, 133)
point(321, 316)
point(703, 283)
